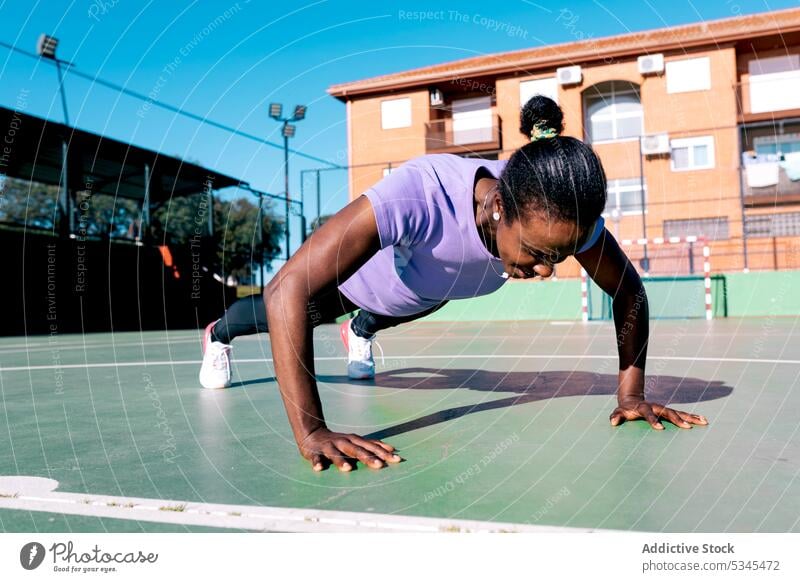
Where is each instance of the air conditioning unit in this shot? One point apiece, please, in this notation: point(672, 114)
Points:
point(569, 75)
point(437, 98)
point(651, 64)
point(655, 144)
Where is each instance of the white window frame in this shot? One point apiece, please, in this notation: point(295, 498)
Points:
point(688, 75)
point(396, 113)
point(547, 86)
point(615, 189)
point(613, 116)
point(691, 143)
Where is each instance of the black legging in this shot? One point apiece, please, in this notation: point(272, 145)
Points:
point(248, 316)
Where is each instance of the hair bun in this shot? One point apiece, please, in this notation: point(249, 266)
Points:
point(541, 111)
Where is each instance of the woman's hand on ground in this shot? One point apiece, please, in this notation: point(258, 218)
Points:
point(636, 408)
point(323, 447)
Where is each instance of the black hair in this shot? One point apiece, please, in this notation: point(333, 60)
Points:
point(559, 175)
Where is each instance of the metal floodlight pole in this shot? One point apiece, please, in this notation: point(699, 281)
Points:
point(260, 227)
point(287, 130)
point(46, 48)
point(645, 259)
point(62, 91)
point(286, 180)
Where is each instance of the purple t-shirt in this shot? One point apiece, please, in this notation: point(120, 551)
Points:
point(430, 246)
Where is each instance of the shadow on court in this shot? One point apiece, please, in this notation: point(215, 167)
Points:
point(526, 387)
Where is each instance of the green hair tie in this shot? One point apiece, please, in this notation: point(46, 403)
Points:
point(538, 132)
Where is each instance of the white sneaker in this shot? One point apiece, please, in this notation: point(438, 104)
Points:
point(360, 364)
point(216, 369)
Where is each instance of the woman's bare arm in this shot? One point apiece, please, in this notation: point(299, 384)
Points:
point(610, 268)
point(613, 272)
point(330, 255)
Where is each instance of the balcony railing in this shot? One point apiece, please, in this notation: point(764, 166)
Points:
point(458, 136)
point(770, 184)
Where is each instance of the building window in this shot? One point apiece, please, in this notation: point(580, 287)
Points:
point(769, 225)
point(624, 197)
point(547, 87)
point(777, 145)
point(688, 75)
point(713, 228)
point(692, 153)
point(396, 113)
point(613, 111)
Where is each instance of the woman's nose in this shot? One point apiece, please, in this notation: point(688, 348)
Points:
point(543, 270)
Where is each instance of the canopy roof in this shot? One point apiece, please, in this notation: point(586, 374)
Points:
point(32, 150)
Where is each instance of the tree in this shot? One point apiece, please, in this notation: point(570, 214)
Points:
point(240, 254)
point(27, 203)
point(322, 220)
point(183, 222)
point(180, 222)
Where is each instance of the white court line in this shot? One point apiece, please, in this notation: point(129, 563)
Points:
point(39, 494)
point(67, 347)
point(415, 357)
point(64, 343)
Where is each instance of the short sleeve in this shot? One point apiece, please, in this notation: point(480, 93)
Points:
point(594, 236)
point(400, 206)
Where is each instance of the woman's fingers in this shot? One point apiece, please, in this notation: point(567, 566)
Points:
point(647, 411)
point(651, 412)
point(317, 462)
point(692, 418)
point(352, 450)
point(671, 415)
point(388, 448)
point(675, 418)
point(344, 450)
point(377, 450)
point(337, 457)
point(617, 417)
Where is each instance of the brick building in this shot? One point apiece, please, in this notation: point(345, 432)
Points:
point(703, 119)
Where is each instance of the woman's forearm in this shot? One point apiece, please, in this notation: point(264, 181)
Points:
point(631, 320)
point(293, 356)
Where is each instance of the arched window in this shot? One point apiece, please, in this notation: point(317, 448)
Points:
point(613, 110)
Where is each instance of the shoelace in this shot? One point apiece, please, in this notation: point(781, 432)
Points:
point(364, 351)
point(219, 362)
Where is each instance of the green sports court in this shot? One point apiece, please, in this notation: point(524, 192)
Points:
point(498, 422)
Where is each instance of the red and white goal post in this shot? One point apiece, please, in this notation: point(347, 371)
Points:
point(658, 243)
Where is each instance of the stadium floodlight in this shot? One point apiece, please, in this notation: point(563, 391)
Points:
point(46, 46)
point(275, 110)
point(299, 112)
point(288, 130)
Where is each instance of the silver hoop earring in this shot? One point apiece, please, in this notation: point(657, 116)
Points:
point(496, 216)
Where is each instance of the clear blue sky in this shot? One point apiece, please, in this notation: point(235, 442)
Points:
point(262, 51)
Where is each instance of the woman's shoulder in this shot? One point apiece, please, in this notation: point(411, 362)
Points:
point(437, 160)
